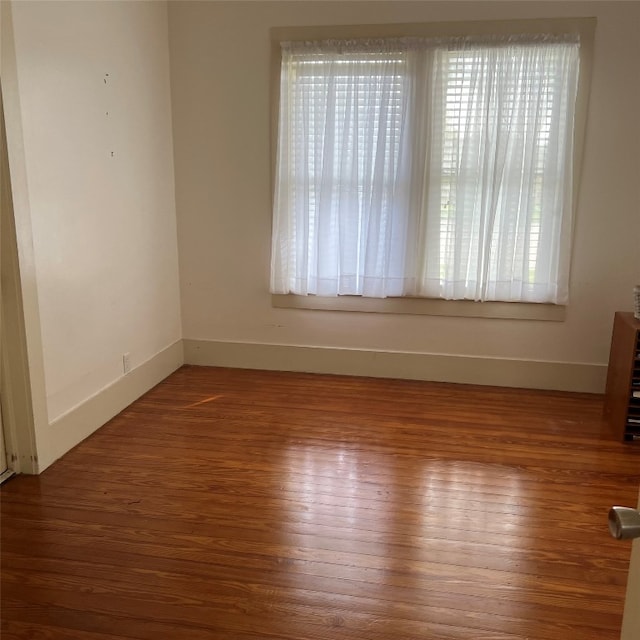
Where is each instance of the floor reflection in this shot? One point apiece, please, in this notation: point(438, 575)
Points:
point(369, 522)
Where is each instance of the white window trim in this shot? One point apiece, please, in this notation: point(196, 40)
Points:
point(585, 27)
point(424, 306)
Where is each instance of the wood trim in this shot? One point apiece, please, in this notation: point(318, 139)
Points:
point(584, 26)
point(30, 418)
point(424, 306)
point(15, 385)
point(506, 372)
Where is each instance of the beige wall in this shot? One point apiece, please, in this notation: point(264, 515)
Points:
point(91, 155)
point(220, 95)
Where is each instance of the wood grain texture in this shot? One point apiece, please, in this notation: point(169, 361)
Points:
point(263, 505)
point(622, 376)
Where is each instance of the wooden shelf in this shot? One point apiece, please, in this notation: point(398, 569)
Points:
point(622, 394)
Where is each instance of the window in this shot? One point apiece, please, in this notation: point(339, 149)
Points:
point(426, 167)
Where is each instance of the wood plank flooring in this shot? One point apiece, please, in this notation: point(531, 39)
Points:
point(249, 505)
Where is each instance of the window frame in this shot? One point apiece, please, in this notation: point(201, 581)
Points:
point(585, 27)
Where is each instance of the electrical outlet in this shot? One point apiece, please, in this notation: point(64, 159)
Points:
point(126, 363)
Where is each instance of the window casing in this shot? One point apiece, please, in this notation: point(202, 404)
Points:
point(407, 197)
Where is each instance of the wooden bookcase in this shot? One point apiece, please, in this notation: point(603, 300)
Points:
point(622, 394)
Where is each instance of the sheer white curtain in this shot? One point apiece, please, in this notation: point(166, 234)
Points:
point(438, 168)
point(500, 180)
point(342, 220)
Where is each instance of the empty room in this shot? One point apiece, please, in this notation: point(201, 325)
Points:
point(320, 319)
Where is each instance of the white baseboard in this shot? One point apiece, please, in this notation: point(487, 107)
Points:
point(80, 422)
point(504, 372)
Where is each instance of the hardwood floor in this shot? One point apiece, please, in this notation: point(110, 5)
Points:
point(262, 505)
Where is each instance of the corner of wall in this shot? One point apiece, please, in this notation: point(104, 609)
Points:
point(81, 421)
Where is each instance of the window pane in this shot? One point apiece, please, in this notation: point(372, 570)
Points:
point(439, 168)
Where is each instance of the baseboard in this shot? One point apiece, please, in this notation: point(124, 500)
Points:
point(505, 372)
point(80, 422)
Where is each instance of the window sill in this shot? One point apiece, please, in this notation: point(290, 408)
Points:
point(425, 306)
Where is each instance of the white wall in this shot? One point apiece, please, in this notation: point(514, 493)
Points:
point(92, 96)
point(220, 91)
